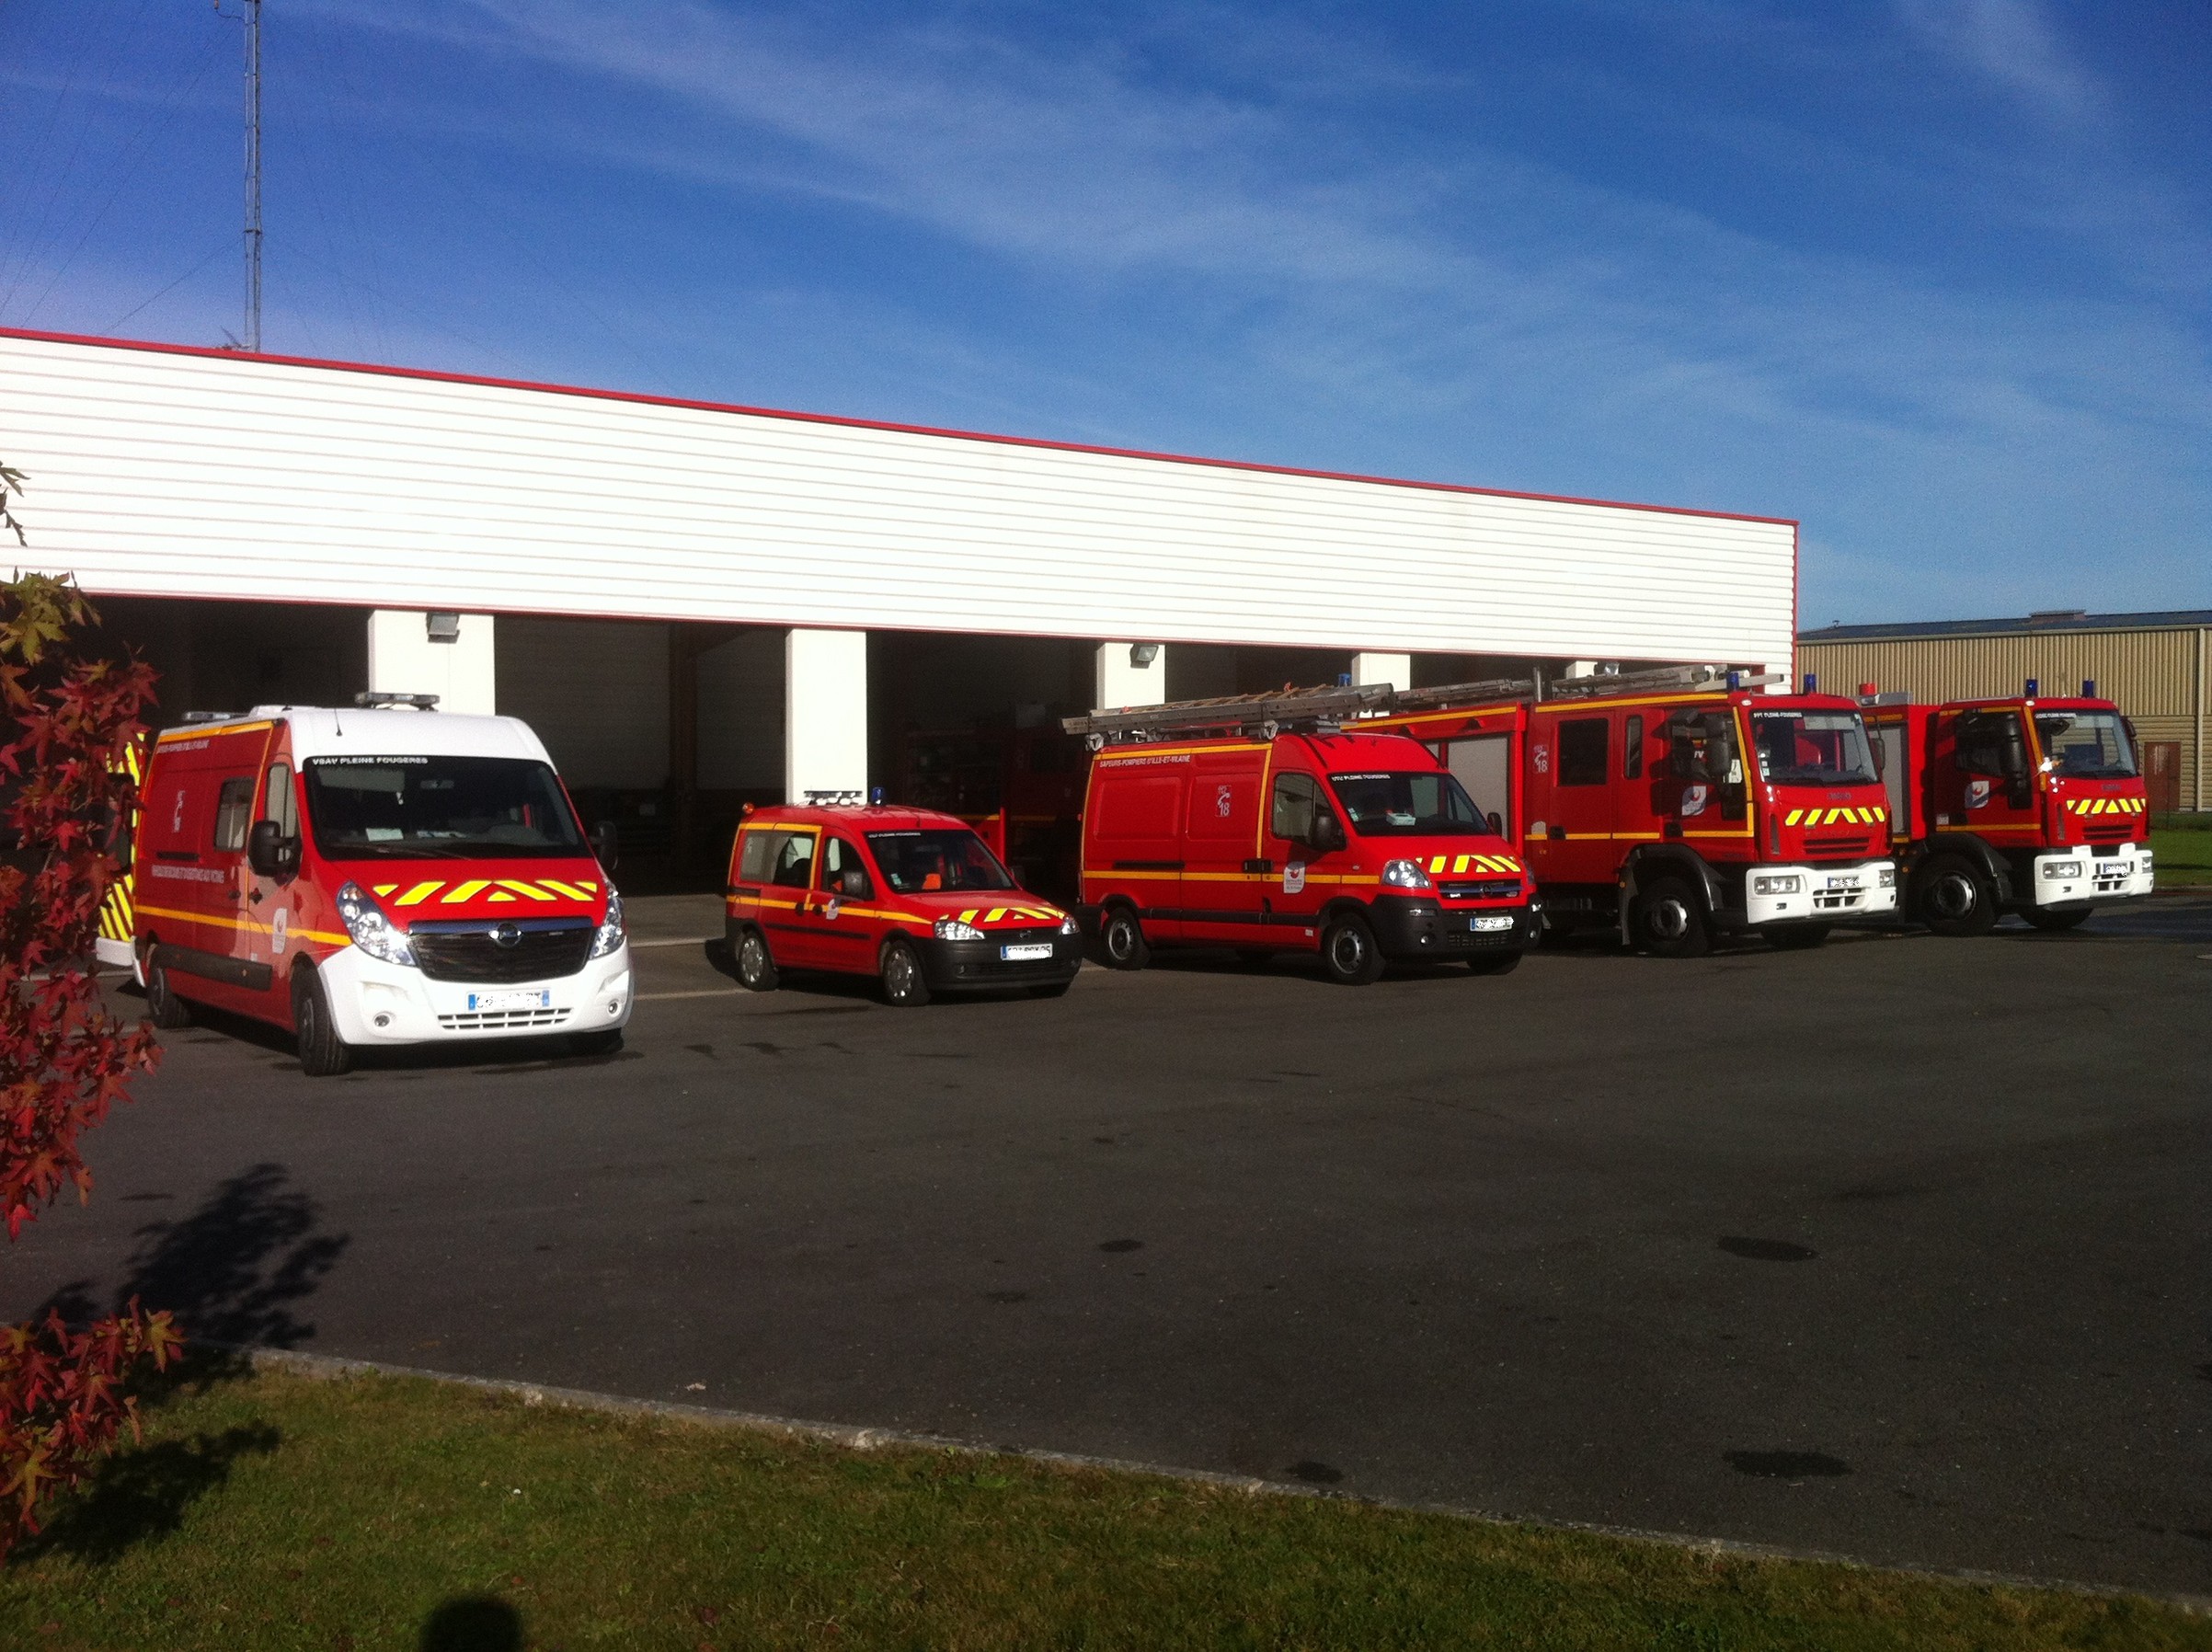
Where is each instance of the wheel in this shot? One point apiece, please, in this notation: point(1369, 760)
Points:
point(1497, 963)
point(1798, 937)
point(1670, 920)
point(2052, 923)
point(904, 984)
point(1055, 989)
point(323, 1054)
point(1348, 952)
point(1122, 940)
point(756, 968)
point(1955, 897)
point(605, 1042)
point(163, 1008)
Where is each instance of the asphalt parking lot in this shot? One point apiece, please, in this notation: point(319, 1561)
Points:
point(1895, 1249)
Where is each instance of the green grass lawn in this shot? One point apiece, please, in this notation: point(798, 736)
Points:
point(280, 1510)
point(2181, 848)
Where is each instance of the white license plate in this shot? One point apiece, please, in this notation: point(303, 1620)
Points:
point(1491, 921)
point(510, 1001)
point(1016, 954)
point(1844, 883)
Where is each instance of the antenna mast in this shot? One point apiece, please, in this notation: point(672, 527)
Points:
point(253, 177)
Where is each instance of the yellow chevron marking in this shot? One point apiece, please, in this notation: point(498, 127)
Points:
point(1791, 818)
point(464, 891)
point(385, 889)
point(563, 888)
point(420, 892)
point(498, 895)
point(996, 914)
point(529, 890)
point(589, 888)
point(1436, 865)
point(969, 915)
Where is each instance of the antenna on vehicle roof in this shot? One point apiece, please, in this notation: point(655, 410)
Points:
point(377, 699)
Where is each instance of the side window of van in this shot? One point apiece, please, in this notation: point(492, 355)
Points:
point(233, 807)
point(280, 802)
point(757, 859)
point(1290, 811)
point(795, 860)
point(1582, 750)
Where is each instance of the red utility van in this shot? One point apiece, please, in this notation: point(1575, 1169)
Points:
point(909, 896)
point(1208, 824)
point(2028, 804)
point(374, 877)
point(1675, 803)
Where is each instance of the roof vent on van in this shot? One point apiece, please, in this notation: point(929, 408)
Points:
point(377, 699)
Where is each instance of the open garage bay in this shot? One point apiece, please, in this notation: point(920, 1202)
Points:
point(1895, 1249)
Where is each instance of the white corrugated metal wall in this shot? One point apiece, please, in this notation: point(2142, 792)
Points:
point(208, 475)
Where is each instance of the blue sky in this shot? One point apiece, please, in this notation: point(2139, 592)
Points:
point(1933, 276)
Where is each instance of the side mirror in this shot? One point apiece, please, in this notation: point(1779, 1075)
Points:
point(1497, 824)
point(269, 852)
point(607, 845)
point(1328, 832)
point(854, 884)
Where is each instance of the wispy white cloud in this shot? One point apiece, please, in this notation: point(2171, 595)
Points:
point(2010, 42)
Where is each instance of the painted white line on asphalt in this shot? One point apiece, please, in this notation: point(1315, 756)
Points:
point(702, 992)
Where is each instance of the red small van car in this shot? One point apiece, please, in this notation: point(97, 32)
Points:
point(909, 896)
point(1362, 847)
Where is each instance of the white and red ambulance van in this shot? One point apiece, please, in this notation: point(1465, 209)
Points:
point(374, 877)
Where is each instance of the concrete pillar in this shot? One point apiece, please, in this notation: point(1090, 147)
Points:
point(825, 714)
point(410, 653)
point(1397, 669)
point(1130, 673)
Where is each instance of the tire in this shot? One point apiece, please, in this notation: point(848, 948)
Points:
point(1500, 963)
point(756, 965)
point(1670, 920)
point(323, 1054)
point(1798, 937)
point(1057, 988)
point(905, 984)
point(163, 1008)
point(1348, 952)
point(2052, 923)
point(1954, 896)
point(1121, 940)
point(605, 1042)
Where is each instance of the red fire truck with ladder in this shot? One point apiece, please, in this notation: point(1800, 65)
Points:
point(1678, 804)
point(2027, 805)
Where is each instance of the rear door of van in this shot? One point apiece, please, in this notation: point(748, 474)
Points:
point(193, 865)
point(1222, 836)
point(1135, 831)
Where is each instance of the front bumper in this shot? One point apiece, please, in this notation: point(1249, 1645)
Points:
point(2079, 877)
point(1822, 894)
point(978, 966)
point(1410, 928)
point(373, 1002)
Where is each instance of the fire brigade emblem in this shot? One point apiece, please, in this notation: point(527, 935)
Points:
point(1978, 793)
point(1221, 802)
point(1693, 799)
point(1294, 878)
point(830, 912)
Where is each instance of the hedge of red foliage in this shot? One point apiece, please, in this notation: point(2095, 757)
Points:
point(64, 1393)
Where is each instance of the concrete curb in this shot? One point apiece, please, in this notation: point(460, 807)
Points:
point(326, 1367)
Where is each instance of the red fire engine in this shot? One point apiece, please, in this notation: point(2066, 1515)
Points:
point(1262, 823)
point(1678, 804)
point(2024, 805)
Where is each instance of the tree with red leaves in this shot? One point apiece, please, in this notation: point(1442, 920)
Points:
point(71, 721)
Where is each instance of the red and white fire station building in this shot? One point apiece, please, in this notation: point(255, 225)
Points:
point(699, 606)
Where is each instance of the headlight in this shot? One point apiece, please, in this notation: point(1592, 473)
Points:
point(373, 932)
point(611, 931)
point(2142, 862)
point(1405, 875)
point(954, 929)
point(1888, 878)
point(2062, 868)
point(1782, 883)
point(1068, 925)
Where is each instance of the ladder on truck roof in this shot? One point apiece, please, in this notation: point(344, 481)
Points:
point(1594, 686)
point(1263, 716)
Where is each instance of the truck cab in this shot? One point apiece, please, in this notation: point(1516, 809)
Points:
point(1225, 829)
point(2027, 804)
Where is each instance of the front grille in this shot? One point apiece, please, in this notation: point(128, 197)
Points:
point(1021, 937)
point(1496, 890)
point(1835, 845)
point(1465, 940)
point(546, 949)
point(1838, 900)
point(485, 1020)
point(2117, 832)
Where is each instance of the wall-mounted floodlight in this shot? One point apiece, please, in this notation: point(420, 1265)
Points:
point(442, 628)
point(1142, 654)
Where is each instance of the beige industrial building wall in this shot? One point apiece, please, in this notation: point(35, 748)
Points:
point(2156, 675)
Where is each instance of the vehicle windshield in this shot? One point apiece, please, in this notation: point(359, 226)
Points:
point(2086, 745)
point(925, 862)
point(1387, 805)
point(438, 808)
point(1812, 748)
